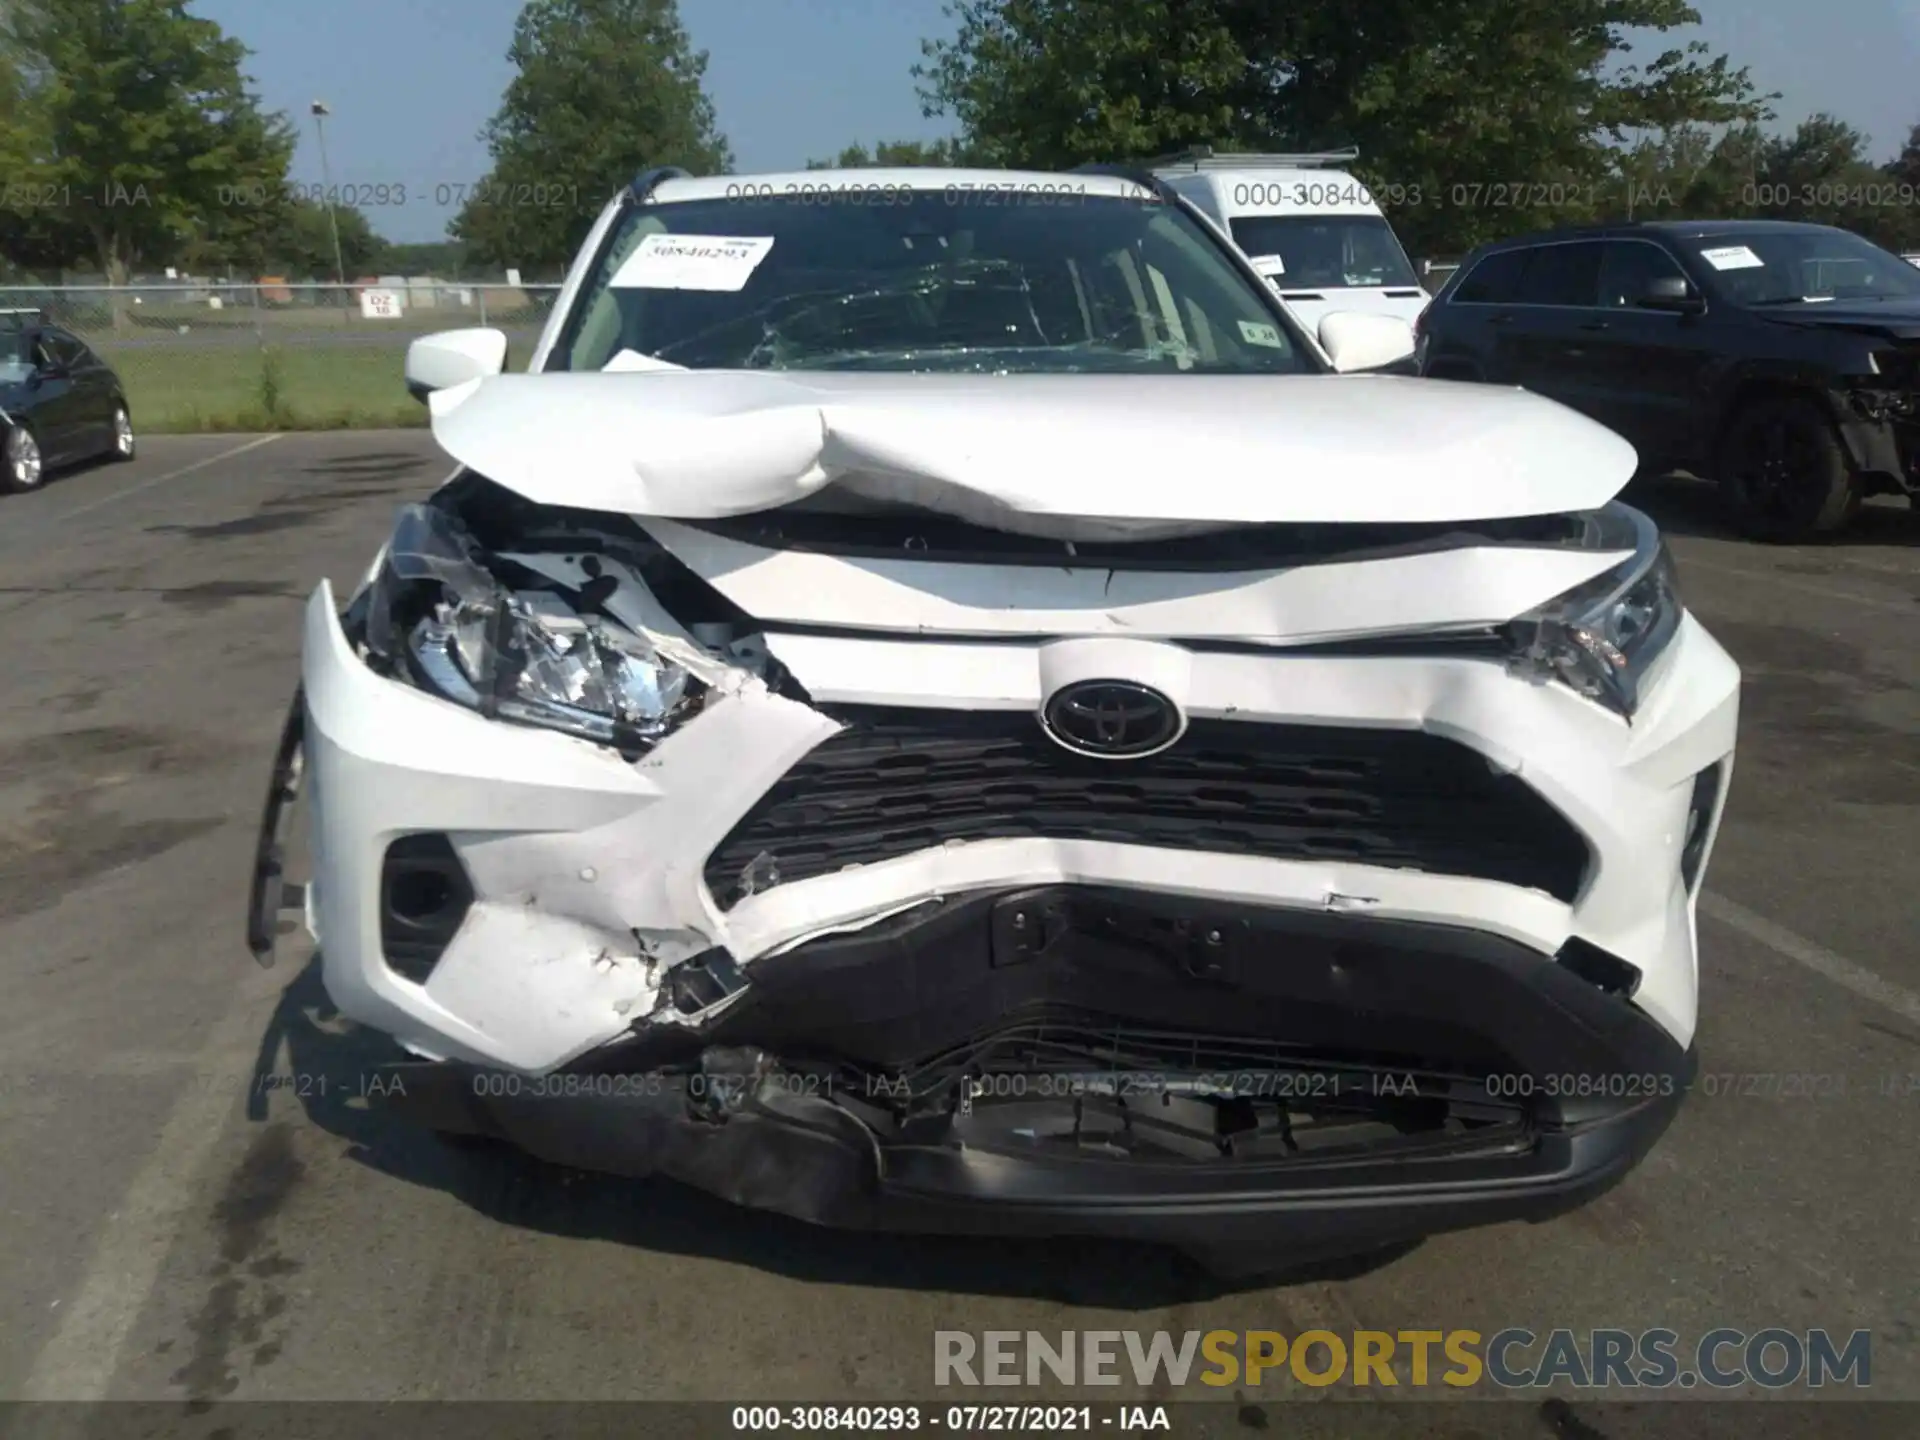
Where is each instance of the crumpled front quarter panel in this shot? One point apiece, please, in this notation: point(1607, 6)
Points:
point(585, 867)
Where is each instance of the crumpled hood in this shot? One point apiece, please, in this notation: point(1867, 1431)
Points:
point(1068, 456)
point(1895, 319)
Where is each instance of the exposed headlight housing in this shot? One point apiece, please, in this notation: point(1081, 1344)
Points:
point(1893, 394)
point(1601, 638)
point(533, 654)
point(1897, 366)
point(1880, 406)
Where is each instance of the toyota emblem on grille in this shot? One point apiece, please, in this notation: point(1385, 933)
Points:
point(1111, 719)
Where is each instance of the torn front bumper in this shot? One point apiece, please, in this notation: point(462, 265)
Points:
point(1881, 431)
point(574, 881)
point(1077, 1061)
point(1222, 1049)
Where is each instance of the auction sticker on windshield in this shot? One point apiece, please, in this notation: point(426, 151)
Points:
point(693, 262)
point(1255, 333)
point(1732, 257)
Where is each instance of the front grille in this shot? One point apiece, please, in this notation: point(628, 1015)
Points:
point(896, 781)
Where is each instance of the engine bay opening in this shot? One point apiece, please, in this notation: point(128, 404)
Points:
point(1104, 1022)
point(1059, 1084)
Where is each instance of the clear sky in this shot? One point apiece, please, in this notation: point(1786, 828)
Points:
point(411, 82)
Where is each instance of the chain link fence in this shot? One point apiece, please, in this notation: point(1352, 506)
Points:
point(219, 355)
point(268, 356)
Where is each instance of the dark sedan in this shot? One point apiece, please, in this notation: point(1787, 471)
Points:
point(59, 402)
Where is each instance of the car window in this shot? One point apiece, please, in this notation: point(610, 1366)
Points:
point(68, 350)
point(1801, 265)
point(1104, 284)
point(1335, 252)
point(1628, 269)
point(61, 349)
point(16, 356)
point(1563, 275)
point(1495, 280)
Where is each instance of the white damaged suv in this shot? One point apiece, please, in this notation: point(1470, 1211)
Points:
point(933, 705)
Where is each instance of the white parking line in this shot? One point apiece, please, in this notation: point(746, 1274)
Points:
point(80, 1361)
point(153, 480)
point(1841, 971)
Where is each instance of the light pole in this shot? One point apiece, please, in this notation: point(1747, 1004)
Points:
point(320, 113)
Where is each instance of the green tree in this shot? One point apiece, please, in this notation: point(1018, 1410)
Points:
point(1053, 83)
point(262, 232)
point(604, 89)
point(303, 248)
point(1683, 170)
point(22, 138)
point(34, 229)
point(37, 236)
point(1822, 150)
point(1906, 165)
point(446, 258)
point(1904, 173)
point(895, 152)
point(143, 119)
point(1480, 117)
point(1820, 173)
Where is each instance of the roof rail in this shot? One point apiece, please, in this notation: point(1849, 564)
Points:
point(1204, 157)
point(647, 181)
point(1138, 174)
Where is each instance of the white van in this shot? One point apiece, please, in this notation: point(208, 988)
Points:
point(1307, 225)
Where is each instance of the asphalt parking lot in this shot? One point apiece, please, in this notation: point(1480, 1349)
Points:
point(175, 1230)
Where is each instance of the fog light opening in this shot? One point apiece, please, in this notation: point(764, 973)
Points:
point(1700, 813)
point(419, 896)
point(1601, 969)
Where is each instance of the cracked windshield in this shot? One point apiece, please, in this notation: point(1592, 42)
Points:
point(1060, 283)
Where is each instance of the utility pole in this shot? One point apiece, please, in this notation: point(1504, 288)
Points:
point(320, 113)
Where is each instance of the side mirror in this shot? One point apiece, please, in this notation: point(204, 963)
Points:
point(1673, 294)
point(453, 357)
point(1355, 340)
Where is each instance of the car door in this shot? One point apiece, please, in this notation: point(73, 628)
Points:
point(1547, 342)
point(54, 412)
point(1465, 327)
point(93, 392)
point(83, 398)
point(1652, 369)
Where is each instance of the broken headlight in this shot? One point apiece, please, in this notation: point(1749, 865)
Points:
point(1894, 391)
point(524, 652)
point(1601, 638)
point(1880, 406)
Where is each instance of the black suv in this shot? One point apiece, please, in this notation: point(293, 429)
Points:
point(1781, 360)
